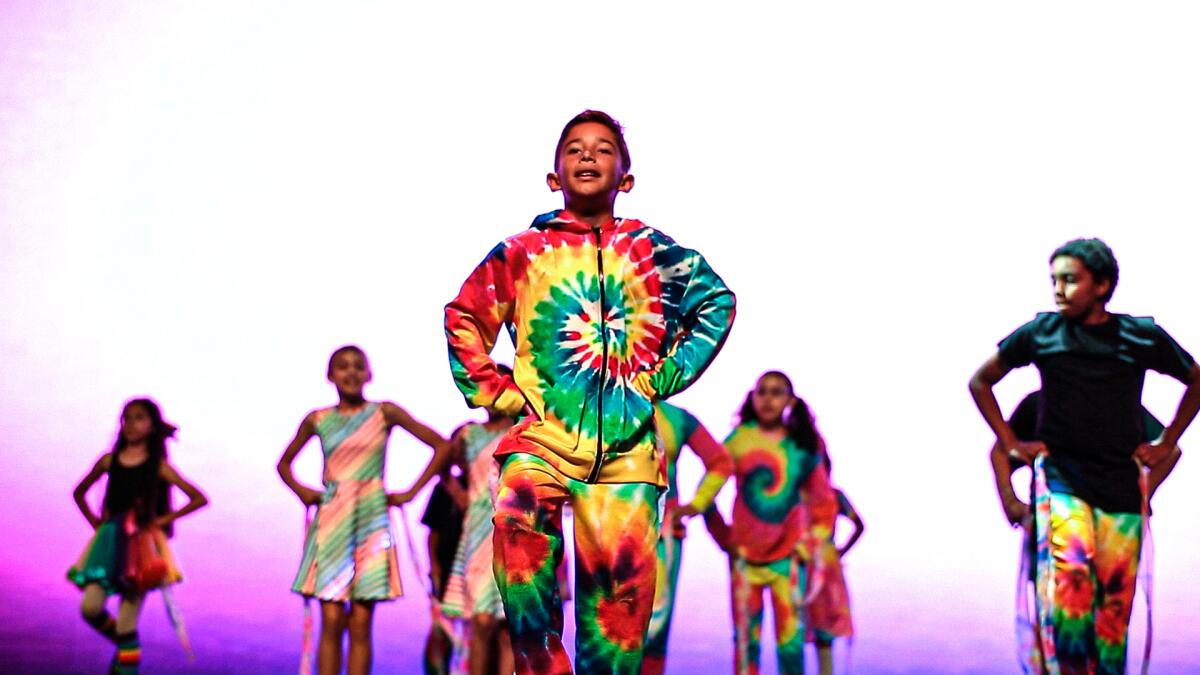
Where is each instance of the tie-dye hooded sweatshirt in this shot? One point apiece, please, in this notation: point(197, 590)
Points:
point(605, 321)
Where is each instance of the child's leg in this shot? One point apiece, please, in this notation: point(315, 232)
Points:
point(654, 657)
point(333, 624)
point(1118, 547)
point(358, 661)
point(825, 656)
point(94, 612)
point(129, 649)
point(786, 581)
point(481, 654)
point(616, 530)
point(1073, 545)
point(747, 604)
point(437, 651)
point(504, 652)
point(527, 547)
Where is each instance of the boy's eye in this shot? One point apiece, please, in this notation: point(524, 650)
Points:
point(605, 151)
point(572, 151)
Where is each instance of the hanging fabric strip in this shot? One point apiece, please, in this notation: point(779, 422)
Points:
point(175, 616)
point(1045, 567)
point(306, 646)
point(1029, 654)
point(1146, 564)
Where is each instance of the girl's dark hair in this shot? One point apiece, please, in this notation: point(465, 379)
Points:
point(352, 349)
point(154, 493)
point(1097, 257)
point(600, 118)
point(801, 427)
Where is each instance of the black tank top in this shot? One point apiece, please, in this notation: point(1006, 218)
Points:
point(131, 487)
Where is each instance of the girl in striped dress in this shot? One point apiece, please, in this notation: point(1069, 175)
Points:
point(349, 551)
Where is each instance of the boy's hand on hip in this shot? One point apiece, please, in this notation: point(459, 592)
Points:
point(1027, 451)
point(1151, 454)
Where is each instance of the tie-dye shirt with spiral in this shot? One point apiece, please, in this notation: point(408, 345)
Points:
point(605, 320)
point(769, 518)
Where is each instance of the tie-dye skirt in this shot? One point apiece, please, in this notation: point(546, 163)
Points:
point(123, 558)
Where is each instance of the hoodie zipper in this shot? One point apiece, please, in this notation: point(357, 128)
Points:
point(595, 474)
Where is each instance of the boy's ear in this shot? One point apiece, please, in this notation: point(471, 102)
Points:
point(553, 181)
point(626, 183)
point(1104, 287)
point(369, 376)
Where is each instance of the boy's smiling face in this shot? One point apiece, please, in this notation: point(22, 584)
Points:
point(589, 169)
point(1076, 292)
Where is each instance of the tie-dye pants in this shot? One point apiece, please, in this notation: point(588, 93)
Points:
point(616, 528)
point(784, 579)
point(670, 550)
point(1093, 555)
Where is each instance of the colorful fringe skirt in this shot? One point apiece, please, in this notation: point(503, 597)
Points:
point(125, 558)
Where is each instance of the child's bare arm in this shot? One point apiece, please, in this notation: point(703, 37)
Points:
point(859, 528)
point(442, 451)
point(100, 468)
point(196, 498)
point(992, 371)
point(1159, 472)
point(308, 429)
point(1189, 404)
point(1015, 510)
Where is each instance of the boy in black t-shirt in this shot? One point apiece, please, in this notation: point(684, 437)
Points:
point(1089, 430)
point(1024, 424)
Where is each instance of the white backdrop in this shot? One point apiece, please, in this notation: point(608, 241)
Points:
point(199, 202)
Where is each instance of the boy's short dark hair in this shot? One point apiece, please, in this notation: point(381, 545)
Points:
point(600, 118)
point(1097, 257)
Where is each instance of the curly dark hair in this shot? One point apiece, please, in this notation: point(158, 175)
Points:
point(1097, 257)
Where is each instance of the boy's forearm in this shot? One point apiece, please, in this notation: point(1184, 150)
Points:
point(1186, 412)
point(1159, 472)
point(981, 392)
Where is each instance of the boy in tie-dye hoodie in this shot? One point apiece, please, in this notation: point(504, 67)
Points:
point(607, 316)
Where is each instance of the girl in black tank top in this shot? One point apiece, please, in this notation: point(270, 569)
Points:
point(128, 553)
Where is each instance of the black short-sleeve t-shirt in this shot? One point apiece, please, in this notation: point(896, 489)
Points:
point(442, 516)
point(1089, 413)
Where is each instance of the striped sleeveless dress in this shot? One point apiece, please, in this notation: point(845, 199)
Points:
point(350, 551)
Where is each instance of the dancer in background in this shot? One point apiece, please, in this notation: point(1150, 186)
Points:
point(444, 518)
point(350, 552)
point(128, 554)
point(472, 594)
point(783, 495)
point(607, 316)
point(1089, 506)
point(677, 427)
point(829, 608)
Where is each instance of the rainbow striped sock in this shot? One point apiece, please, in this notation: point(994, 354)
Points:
point(104, 624)
point(128, 656)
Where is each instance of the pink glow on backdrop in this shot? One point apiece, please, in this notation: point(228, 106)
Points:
point(199, 204)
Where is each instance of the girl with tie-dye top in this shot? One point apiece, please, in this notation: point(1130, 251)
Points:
point(350, 550)
point(607, 316)
point(784, 501)
point(676, 428)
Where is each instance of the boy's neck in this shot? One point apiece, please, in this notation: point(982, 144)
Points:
point(596, 214)
point(1097, 316)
